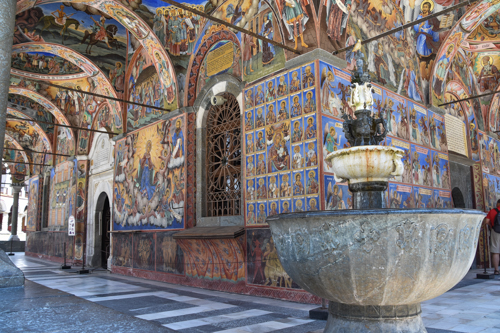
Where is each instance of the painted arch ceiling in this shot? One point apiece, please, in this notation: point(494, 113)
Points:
point(150, 52)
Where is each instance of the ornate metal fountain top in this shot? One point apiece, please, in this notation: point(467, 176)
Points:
point(363, 128)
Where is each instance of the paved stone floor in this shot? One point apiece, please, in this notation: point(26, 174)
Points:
point(63, 301)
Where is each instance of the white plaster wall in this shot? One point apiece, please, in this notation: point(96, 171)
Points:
point(100, 180)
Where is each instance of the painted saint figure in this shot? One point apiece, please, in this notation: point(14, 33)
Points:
point(295, 18)
point(268, 32)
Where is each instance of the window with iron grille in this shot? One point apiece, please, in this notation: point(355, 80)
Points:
point(223, 159)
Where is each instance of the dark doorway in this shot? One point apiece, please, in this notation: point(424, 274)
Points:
point(102, 228)
point(461, 180)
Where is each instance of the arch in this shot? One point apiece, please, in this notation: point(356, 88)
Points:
point(30, 75)
point(197, 60)
point(216, 86)
point(137, 27)
point(99, 189)
point(48, 105)
point(460, 31)
point(16, 144)
point(102, 82)
point(45, 140)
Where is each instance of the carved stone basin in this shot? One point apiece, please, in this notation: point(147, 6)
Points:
point(376, 266)
point(367, 163)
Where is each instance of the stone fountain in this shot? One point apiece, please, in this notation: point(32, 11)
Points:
point(374, 265)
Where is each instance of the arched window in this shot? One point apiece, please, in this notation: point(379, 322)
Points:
point(223, 159)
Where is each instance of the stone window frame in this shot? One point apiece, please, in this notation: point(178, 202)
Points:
point(216, 86)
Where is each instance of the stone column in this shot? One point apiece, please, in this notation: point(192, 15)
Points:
point(7, 22)
point(15, 206)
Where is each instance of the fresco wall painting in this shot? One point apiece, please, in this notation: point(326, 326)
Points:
point(145, 87)
point(88, 31)
point(425, 170)
point(33, 195)
point(263, 265)
point(150, 177)
point(281, 146)
point(63, 197)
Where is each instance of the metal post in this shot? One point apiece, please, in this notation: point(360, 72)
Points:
point(83, 270)
point(65, 266)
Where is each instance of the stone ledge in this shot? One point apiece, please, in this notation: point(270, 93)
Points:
point(10, 275)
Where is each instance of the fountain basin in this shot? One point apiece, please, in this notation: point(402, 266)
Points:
point(376, 266)
point(367, 163)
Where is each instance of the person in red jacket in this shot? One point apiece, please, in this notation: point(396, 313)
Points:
point(494, 237)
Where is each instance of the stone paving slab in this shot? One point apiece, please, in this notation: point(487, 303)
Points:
point(36, 308)
point(472, 306)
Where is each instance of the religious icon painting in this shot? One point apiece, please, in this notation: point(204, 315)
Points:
point(282, 109)
point(250, 167)
point(487, 153)
point(297, 130)
point(423, 197)
point(400, 196)
point(298, 158)
point(396, 115)
point(285, 181)
point(419, 125)
point(260, 117)
point(270, 114)
point(249, 143)
point(285, 206)
point(309, 105)
point(296, 105)
point(260, 97)
point(313, 203)
point(260, 140)
point(437, 134)
point(278, 151)
point(295, 81)
point(421, 165)
point(273, 188)
point(262, 212)
point(440, 170)
point(251, 218)
point(308, 77)
point(474, 140)
point(334, 90)
point(261, 186)
point(310, 130)
point(407, 176)
point(249, 99)
point(442, 199)
point(260, 166)
point(282, 82)
point(337, 195)
point(249, 120)
point(298, 183)
point(270, 90)
point(312, 182)
point(273, 207)
point(250, 191)
point(299, 205)
point(311, 153)
point(489, 188)
point(333, 139)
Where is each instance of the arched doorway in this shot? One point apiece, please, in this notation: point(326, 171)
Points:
point(102, 228)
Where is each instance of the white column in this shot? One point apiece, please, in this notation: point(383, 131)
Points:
point(15, 207)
